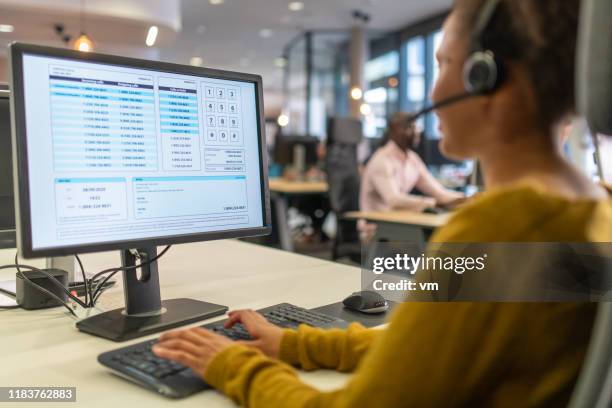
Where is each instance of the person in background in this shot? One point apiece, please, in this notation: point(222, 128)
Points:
point(395, 170)
point(455, 354)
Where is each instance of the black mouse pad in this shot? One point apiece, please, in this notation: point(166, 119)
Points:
point(367, 320)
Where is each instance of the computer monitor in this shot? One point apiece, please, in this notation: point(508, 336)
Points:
point(429, 150)
point(285, 149)
point(120, 153)
point(7, 204)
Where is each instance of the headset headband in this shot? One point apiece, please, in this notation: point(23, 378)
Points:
point(484, 19)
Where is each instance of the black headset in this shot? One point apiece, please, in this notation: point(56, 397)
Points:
point(483, 71)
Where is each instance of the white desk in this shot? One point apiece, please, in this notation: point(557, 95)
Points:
point(42, 348)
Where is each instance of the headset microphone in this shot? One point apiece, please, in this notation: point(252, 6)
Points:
point(441, 104)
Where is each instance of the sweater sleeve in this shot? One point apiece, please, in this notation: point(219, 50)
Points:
point(433, 355)
point(422, 342)
point(310, 348)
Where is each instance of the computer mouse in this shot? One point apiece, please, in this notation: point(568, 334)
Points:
point(366, 302)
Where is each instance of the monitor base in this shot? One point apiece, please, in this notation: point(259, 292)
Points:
point(115, 325)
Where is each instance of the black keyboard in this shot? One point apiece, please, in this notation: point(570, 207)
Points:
point(138, 363)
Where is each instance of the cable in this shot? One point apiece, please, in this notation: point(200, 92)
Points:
point(53, 280)
point(40, 288)
point(113, 271)
point(87, 302)
point(8, 293)
point(99, 287)
point(92, 294)
point(11, 295)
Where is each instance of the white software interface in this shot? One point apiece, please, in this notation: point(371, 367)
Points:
point(117, 153)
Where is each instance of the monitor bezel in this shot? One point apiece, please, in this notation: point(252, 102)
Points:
point(8, 237)
point(21, 164)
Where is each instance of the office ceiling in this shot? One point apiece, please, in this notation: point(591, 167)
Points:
point(116, 26)
point(226, 36)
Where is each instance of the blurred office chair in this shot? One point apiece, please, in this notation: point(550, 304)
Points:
point(342, 168)
point(594, 92)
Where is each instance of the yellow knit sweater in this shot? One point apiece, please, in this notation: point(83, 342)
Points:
point(443, 354)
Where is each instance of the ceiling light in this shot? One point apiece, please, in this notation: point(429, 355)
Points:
point(356, 93)
point(280, 62)
point(283, 120)
point(151, 36)
point(6, 28)
point(83, 43)
point(215, 2)
point(393, 82)
point(196, 61)
point(296, 6)
point(265, 33)
point(365, 109)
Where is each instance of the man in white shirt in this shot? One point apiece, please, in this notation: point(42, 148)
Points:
point(395, 170)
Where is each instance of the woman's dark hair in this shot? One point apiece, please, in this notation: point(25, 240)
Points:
point(541, 36)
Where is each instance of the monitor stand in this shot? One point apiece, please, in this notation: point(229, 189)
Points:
point(145, 313)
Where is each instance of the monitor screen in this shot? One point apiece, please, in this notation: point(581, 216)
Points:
point(117, 152)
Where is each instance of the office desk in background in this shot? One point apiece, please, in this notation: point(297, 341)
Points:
point(401, 225)
point(283, 186)
point(43, 348)
point(280, 190)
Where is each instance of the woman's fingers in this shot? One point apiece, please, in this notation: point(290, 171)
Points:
point(203, 334)
point(182, 345)
point(178, 355)
point(234, 317)
point(191, 335)
point(195, 347)
point(251, 320)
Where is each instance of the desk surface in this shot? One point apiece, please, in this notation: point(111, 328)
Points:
point(279, 185)
point(43, 348)
point(401, 217)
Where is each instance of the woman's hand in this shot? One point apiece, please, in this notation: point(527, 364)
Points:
point(266, 336)
point(194, 348)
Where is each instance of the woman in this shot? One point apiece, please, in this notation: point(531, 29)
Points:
point(456, 354)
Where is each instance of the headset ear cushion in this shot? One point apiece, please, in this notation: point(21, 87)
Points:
point(482, 73)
